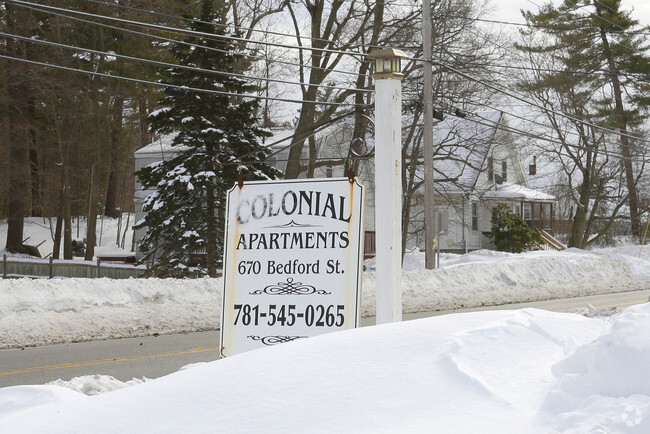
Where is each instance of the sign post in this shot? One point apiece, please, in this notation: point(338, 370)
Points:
point(388, 183)
point(292, 261)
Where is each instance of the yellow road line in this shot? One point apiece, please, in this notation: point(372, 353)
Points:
point(114, 360)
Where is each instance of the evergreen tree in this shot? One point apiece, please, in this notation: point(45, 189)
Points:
point(215, 138)
point(602, 42)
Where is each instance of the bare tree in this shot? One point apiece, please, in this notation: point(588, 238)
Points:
point(587, 157)
point(458, 44)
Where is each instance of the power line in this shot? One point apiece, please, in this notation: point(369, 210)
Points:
point(265, 32)
point(530, 103)
point(168, 85)
point(183, 31)
point(508, 128)
point(165, 64)
point(289, 100)
point(162, 38)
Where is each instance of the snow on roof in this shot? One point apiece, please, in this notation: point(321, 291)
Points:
point(163, 144)
point(508, 190)
point(159, 146)
point(282, 135)
point(465, 143)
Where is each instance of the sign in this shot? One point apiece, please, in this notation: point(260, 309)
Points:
point(292, 261)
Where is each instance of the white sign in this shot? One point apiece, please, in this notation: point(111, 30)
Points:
point(292, 261)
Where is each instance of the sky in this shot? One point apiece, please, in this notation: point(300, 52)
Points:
point(509, 10)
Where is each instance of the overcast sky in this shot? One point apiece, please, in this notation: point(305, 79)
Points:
point(508, 10)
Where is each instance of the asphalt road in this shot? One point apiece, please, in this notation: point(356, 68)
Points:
point(124, 359)
point(155, 356)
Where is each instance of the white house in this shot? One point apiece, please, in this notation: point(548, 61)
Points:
point(476, 168)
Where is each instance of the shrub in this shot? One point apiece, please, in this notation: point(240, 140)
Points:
point(511, 233)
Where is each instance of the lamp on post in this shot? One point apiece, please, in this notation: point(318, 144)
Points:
point(388, 63)
point(388, 183)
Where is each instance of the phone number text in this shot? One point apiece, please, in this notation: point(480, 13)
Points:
point(287, 315)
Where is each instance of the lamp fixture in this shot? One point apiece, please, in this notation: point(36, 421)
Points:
point(387, 63)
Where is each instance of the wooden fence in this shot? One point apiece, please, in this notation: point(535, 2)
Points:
point(12, 267)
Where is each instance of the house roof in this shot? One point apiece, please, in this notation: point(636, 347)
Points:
point(163, 144)
point(511, 191)
point(463, 145)
point(159, 147)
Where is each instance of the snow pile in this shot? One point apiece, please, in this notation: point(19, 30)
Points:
point(42, 311)
point(605, 384)
point(95, 384)
point(491, 372)
point(36, 312)
point(487, 277)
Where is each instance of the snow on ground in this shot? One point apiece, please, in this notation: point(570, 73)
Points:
point(36, 312)
point(111, 238)
point(522, 371)
point(490, 372)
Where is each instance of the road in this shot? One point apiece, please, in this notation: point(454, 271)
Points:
point(155, 356)
point(124, 359)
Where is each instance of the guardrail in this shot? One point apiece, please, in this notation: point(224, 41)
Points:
point(13, 267)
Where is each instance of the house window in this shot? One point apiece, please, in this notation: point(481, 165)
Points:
point(504, 170)
point(495, 216)
point(527, 209)
point(329, 171)
point(490, 168)
point(475, 216)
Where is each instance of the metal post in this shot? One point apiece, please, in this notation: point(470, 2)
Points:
point(429, 210)
point(388, 199)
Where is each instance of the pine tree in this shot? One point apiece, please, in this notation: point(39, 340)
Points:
point(216, 139)
point(599, 39)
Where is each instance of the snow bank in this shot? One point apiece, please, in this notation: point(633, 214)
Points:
point(42, 311)
point(95, 384)
point(519, 371)
point(605, 383)
point(35, 312)
point(493, 278)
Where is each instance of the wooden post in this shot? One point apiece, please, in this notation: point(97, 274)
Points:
point(51, 267)
point(429, 210)
point(99, 261)
point(388, 199)
point(4, 266)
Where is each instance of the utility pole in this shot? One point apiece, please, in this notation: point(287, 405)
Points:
point(388, 183)
point(429, 210)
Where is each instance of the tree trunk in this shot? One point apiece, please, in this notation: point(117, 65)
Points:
point(91, 233)
point(633, 201)
point(303, 129)
point(143, 111)
point(18, 94)
point(111, 206)
point(36, 208)
point(578, 235)
point(211, 248)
